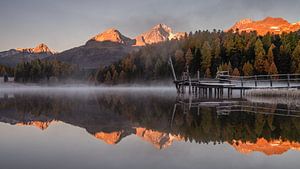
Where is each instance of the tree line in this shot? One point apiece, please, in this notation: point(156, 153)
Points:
point(4, 70)
point(208, 52)
point(38, 70)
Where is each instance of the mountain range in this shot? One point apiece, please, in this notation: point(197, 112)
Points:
point(111, 45)
point(102, 49)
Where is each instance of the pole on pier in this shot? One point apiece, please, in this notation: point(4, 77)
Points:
point(190, 85)
point(255, 81)
point(210, 92)
point(288, 80)
point(242, 82)
point(172, 67)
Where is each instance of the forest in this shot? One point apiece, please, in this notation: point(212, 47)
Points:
point(38, 70)
point(239, 53)
point(4, 70)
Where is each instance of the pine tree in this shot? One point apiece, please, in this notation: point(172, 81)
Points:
point(207, 73)
point(206, 57)
point(188, 57)
point(100, 74)
point(216, 48)
point(296, 59)
point(270, 55)
point(179, 61)
point(157, 68)
point(108, 77)
point(260, 57)
point(270, 58)
point(284, 60)
point(236, 72)
point(2, 71)
point(115, 77)
point(267, 41)
point(248, 69)
point(216, 53)
point(122, 77)
point(272, 69)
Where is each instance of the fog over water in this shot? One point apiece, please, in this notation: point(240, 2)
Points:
point(85, 89)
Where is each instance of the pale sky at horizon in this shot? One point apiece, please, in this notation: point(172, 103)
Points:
point(63, 24)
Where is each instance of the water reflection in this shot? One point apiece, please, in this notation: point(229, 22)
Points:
point(161, 119)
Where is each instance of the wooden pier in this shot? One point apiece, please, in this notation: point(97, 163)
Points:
point(226, 83)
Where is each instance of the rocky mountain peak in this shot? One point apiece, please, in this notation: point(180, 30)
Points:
point(109, 138)
point(162, 28)
point(112, 35)
point(273, 20)
point(244, 21)
point(40, 48)
point(158, 33)
point(269, 24)
point(262, 145)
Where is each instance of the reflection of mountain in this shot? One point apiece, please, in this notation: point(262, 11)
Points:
point(110, 138)
point(273, 147)
point(158, 139)
point(112, 117)
point(39, 124)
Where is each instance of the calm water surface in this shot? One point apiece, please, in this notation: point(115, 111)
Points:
point(78, 127)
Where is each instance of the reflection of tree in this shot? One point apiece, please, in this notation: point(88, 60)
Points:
point(259, 123)
point(124, 112)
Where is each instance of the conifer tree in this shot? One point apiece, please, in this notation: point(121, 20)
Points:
point(235, 72)
point(206, 57)
point(122, 77)
point(260, 57)
point(272, 69)
point(296, 59)
point(248, 69)
point(270, 58)
point(115, 77)
point(108, 77)
point(188, 57)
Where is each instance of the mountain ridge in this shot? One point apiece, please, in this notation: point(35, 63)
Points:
point(14, 56)
point(111, 45)
point(276, 25)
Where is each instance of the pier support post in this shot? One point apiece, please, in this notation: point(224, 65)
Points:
point(222, 92)
point(210, 92)
point(190, 85)
point(288, 80)
point(255, 81)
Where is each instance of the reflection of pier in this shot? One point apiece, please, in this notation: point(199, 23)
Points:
point(288, 112)
point(224, 107)
point(226, 83)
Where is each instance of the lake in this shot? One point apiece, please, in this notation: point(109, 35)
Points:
point(143, 127)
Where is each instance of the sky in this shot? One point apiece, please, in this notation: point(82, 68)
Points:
point(64, 24)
